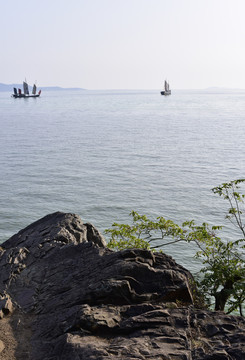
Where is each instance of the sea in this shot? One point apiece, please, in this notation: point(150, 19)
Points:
point(102, 154)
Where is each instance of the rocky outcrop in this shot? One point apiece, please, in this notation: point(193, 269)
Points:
point(74, 299)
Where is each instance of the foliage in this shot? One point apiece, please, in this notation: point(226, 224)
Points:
point(143, 232)
point(224, 267)
point(238, 297)
point(230, 192)
point(233, 265)
point(223, 273)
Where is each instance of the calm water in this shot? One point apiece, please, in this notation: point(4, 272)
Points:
point(102, 154)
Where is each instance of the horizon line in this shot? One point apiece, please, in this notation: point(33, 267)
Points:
point(129, 89)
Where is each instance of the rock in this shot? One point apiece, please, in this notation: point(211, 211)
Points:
point(86, 302)
point(6, 305)
point(2, 347)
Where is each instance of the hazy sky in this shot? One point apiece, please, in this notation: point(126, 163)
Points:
point(123, 44)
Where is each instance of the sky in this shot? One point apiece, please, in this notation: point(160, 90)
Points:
point(123, 44)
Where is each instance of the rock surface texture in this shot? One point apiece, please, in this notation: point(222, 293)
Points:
point(66, 296)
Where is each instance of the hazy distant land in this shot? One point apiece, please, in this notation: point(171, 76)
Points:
point(211, 89)
point(9, 87)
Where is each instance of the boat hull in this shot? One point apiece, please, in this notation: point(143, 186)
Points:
point(166, 92)
point(24, 96)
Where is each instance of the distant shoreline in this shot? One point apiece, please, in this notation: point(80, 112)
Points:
point(213, 89)
point(9, 87)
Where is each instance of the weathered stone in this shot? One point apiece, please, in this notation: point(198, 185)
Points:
point(2, 346)
point(86, 302)
point(6, 305)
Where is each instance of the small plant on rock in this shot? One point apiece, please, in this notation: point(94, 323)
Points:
point(143, 233)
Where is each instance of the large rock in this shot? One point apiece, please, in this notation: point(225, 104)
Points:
point(80, 300)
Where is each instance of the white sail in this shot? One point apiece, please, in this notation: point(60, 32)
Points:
point(34, 89)
point(166, 85)
point(25, 88)
point(166, 90)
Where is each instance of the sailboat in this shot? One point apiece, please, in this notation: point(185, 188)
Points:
point(18, 93)
point(166, 90)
